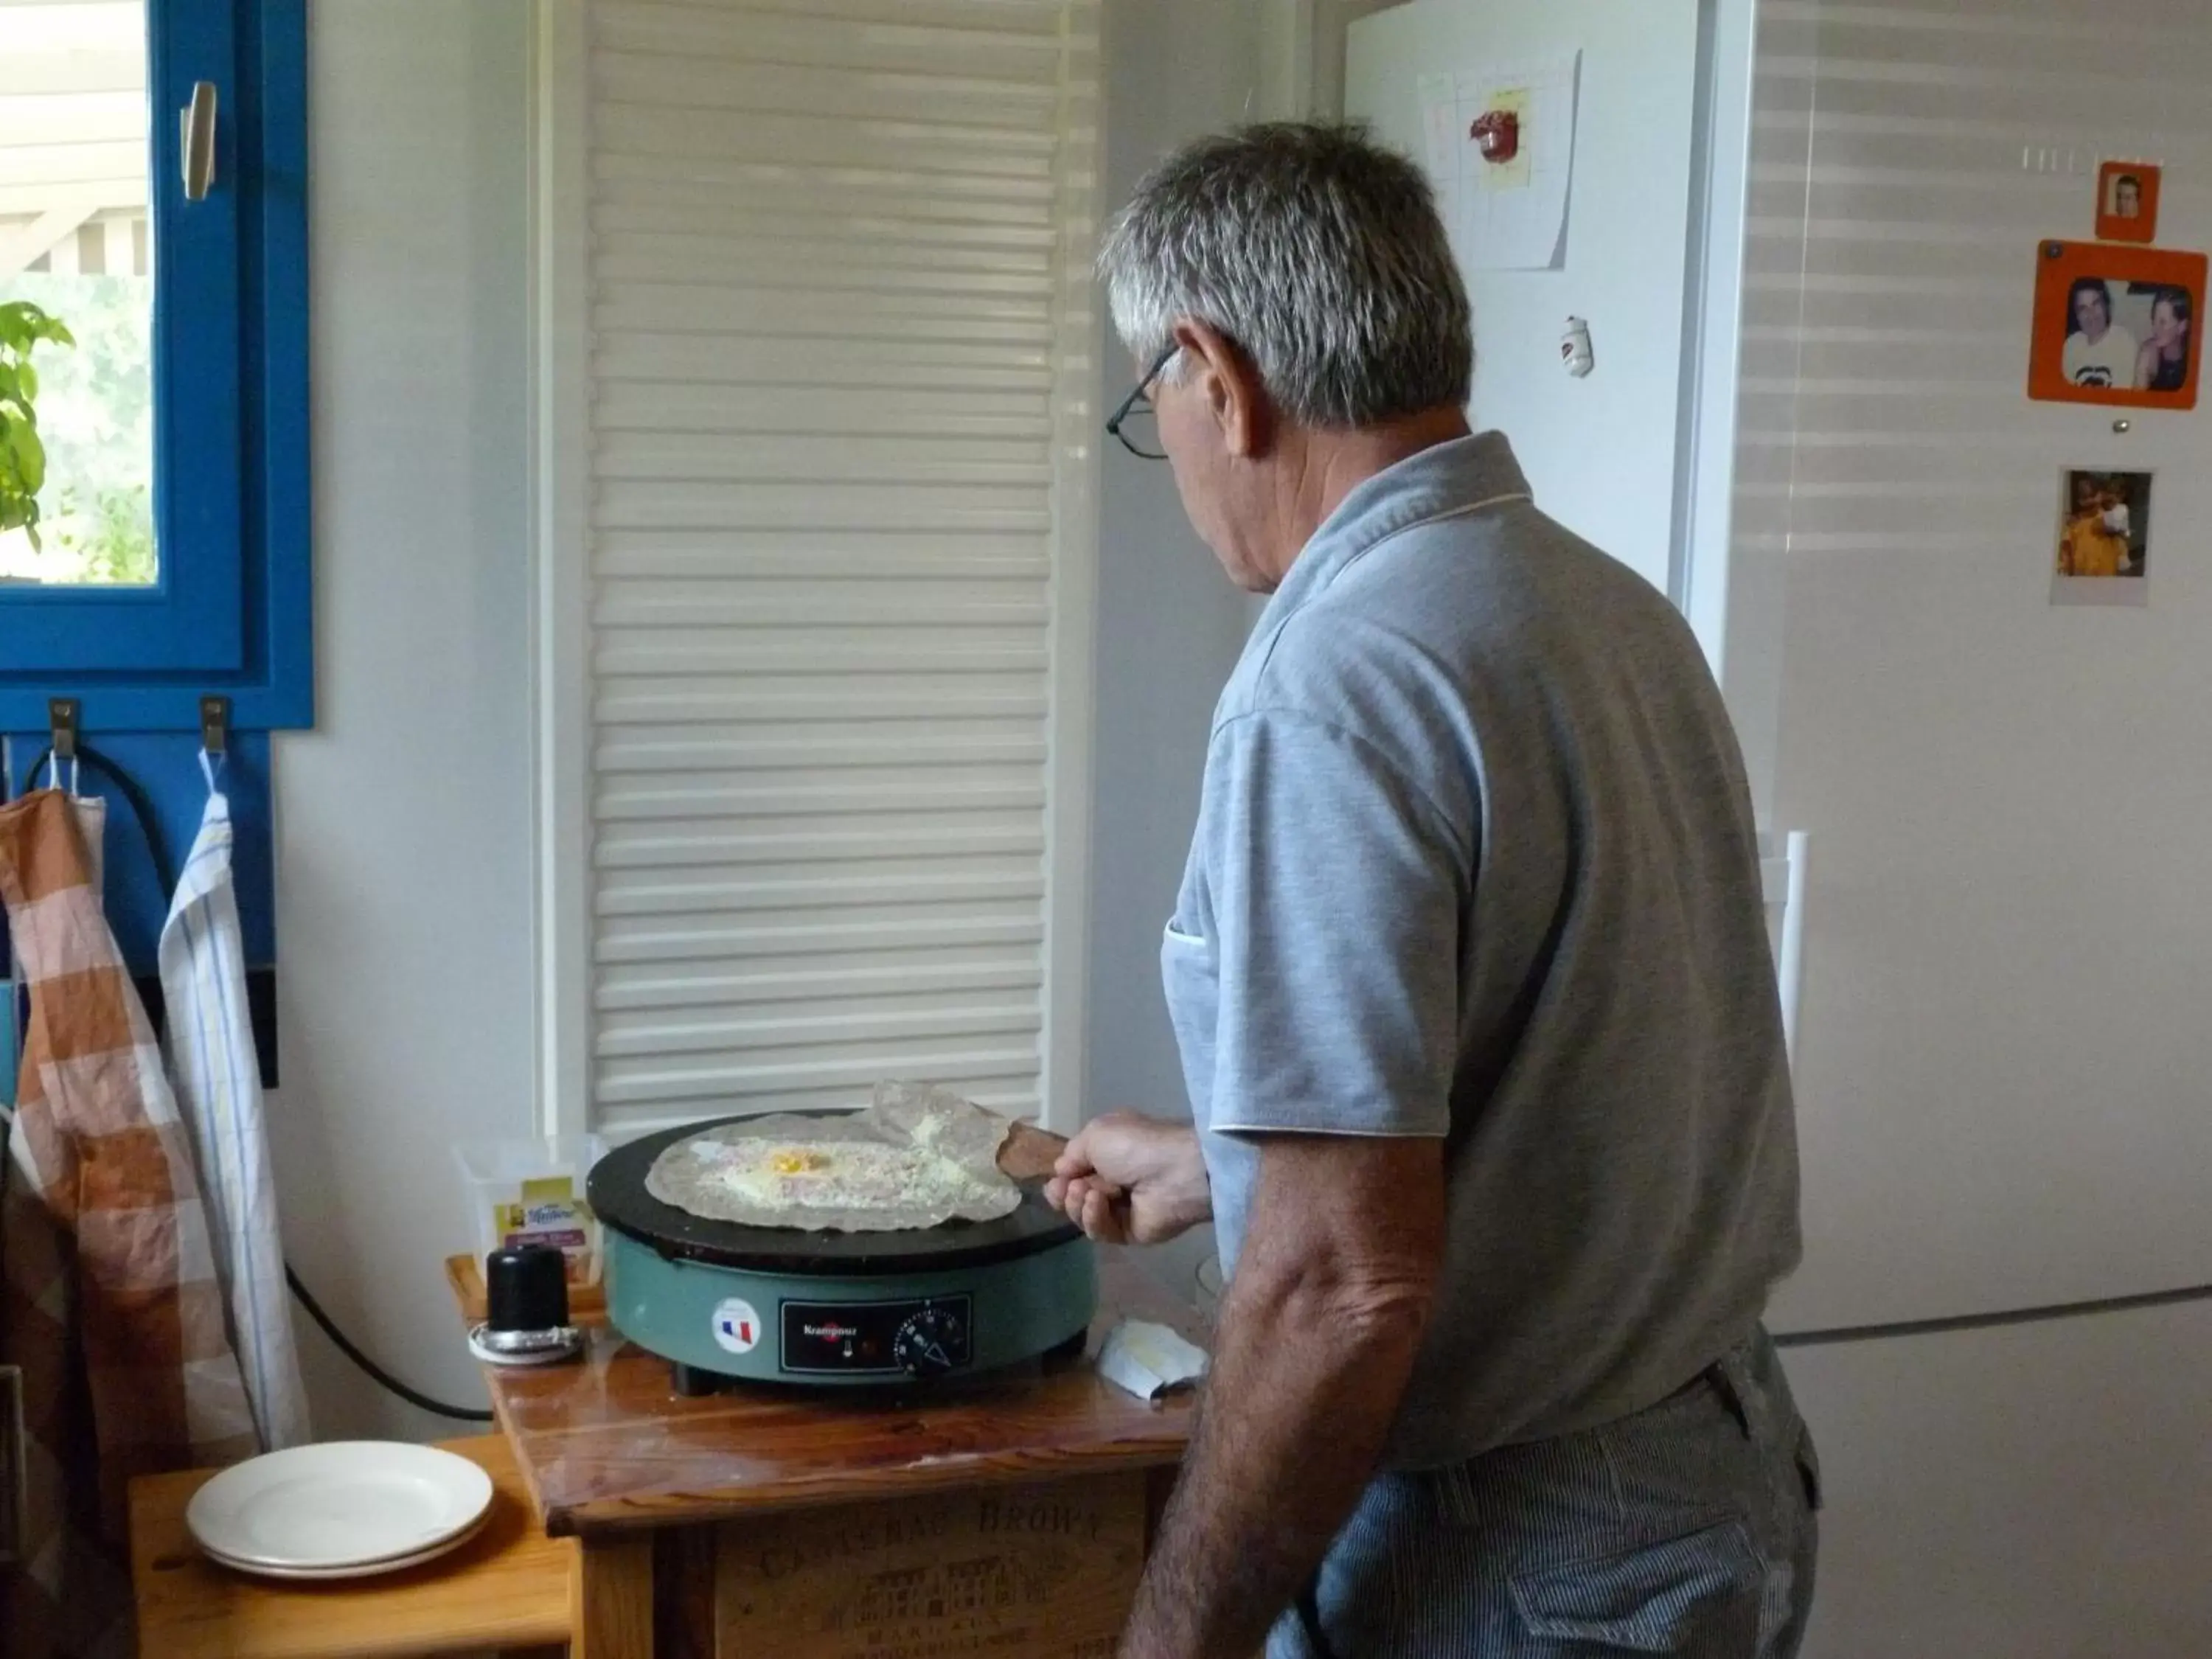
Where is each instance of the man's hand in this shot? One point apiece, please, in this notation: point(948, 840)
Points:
point(1130, 1180)
point(1316, 1344)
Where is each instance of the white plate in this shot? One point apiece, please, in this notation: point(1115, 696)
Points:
point(333, 1507)
point(365, 1570)
point(360, 1570)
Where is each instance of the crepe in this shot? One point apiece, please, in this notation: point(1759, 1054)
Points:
point(916, 1157)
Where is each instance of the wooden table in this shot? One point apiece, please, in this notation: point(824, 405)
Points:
point(508, 1586)
point(1007, 1516)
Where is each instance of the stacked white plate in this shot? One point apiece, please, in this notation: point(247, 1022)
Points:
point(347, 1510)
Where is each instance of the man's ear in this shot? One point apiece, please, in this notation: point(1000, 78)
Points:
point(1224, 379)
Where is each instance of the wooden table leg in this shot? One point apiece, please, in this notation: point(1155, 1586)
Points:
point(612, 1598)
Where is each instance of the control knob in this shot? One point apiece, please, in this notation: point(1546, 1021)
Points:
point(926, 1342)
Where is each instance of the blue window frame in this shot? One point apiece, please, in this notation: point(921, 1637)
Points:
point(230, 612)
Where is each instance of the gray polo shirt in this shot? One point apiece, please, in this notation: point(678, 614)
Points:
point(1475, 860)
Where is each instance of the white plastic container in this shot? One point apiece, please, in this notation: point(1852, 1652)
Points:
point(531, 1191)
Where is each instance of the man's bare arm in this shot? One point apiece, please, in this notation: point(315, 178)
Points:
point(1316, 1344)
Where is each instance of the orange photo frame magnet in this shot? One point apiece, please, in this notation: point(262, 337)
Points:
point(2127, 201)
point(2117, 325)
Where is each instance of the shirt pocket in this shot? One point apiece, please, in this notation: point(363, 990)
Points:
point(1698, 1593)
point(1191, 979)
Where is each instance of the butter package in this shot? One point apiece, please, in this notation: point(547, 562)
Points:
point(549, 1212)
point(531, 1192)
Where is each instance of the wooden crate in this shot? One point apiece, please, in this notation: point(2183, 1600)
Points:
point(1042, 1571)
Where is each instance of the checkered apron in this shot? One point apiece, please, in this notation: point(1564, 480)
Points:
point(111, 1303)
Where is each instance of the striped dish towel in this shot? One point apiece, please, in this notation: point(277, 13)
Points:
point(217, 1078)
point(107, 1254)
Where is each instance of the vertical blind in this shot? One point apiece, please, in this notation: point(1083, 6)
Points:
point(839, 412)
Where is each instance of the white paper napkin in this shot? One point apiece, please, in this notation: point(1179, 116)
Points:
point(1148, 1359)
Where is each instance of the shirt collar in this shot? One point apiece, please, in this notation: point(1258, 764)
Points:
point(1446, 479)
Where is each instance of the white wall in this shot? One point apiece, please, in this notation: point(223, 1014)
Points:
point(1332, 18)
point(1169, 625)
point(403, 826)
point(1601, 453)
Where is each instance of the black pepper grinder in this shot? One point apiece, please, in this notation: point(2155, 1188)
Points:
point(526, 1302)
point(525, 1290)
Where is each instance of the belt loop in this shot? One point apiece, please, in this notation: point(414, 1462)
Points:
point(1456, 1493)
point(1731, 1380)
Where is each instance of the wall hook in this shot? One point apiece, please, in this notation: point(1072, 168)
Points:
point(215, 725)
point(64, 716)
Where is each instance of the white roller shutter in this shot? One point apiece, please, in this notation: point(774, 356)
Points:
point(834, 636)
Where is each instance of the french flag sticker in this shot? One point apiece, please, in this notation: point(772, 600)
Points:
point(736, 1326)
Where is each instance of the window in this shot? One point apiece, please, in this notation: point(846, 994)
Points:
point(163, 323)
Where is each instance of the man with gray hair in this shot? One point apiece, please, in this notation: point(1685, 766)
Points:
point(1469, 973)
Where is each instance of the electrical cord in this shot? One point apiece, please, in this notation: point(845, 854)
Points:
point(375, 1372)
point(157, 850)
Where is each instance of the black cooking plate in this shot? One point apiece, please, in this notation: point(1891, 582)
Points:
point(616, 1190)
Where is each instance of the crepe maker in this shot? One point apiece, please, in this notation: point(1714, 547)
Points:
point(775, 1304)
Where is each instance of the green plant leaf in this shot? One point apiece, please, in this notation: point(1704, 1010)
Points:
point(22, 323)
point(23, 453)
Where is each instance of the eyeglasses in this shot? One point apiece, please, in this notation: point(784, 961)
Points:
point(1137, 408)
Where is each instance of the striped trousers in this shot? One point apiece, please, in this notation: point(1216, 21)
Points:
point(1687, 1528)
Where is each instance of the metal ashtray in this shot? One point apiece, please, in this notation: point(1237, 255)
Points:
point(544, 1347)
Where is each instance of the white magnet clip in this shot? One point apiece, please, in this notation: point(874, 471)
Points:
point(1575, 348)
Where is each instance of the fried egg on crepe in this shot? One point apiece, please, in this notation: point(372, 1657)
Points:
point(914, 1158)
